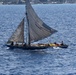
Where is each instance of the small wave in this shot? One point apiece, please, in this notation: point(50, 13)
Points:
point(7, 48)
point(71, 74)
point(56, 48)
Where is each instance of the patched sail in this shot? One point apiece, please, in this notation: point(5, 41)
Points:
point(18, 35)
point(37, 28)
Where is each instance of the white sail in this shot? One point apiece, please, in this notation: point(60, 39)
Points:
point(37, 28)
point(18, 35)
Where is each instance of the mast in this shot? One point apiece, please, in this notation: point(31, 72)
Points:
point(28, 28)
point(28, 31)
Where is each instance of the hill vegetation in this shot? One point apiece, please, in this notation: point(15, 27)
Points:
point(36, 1)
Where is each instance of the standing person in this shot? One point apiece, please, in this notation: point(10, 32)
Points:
point(12, 43)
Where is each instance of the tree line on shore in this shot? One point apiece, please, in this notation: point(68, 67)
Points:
point(37, 1)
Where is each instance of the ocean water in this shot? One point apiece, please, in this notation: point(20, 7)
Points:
point(61, 17)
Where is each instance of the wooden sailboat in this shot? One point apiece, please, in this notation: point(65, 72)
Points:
point(36, 30)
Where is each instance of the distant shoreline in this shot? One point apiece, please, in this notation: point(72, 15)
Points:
point(39, 3)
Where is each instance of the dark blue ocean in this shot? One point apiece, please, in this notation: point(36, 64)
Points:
point(61, 17)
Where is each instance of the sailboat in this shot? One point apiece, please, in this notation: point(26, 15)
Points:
point(36, 30)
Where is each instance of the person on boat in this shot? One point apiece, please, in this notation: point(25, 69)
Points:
point(62, 43)
point(12, 43)
point(24, 44)
point(56, 44)
point(16, 44)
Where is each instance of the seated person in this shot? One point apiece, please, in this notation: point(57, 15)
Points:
point(24, 44)
point(62, 43)
point(56, 44)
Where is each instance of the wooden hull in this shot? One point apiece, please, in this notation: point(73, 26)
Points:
point(33, 47)
point(28, 47)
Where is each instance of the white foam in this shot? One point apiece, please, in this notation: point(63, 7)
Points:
point(7, 47)
point(56, 48)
